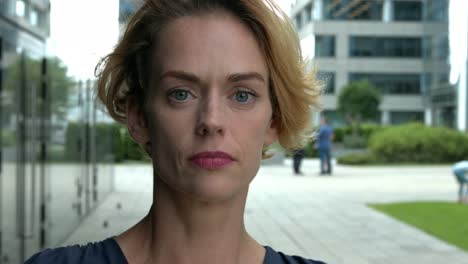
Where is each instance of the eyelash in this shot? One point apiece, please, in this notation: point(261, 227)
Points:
point(248, 91)
point(171, 94)
point(238, 90)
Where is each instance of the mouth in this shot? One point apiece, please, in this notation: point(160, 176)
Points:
point(211, 160)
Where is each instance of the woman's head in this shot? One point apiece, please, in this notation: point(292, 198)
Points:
point(125, 73)
point(206, 86)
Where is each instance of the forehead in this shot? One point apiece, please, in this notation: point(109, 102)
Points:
point(197, 43)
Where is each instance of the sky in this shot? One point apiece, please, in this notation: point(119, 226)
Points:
point(84, 31)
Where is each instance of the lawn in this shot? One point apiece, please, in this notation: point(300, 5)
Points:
point(447, 221)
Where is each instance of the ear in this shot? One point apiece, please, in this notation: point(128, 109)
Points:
point(136, 122)
point(271, 134)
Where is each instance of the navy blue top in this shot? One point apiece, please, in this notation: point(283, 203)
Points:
point(324, 136)
point(108, 251)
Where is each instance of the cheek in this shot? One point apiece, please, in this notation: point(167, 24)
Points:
point(169, 132)
point(253, 136)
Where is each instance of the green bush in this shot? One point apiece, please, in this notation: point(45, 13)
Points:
point(415, 142)
point(310, 150)
point(357, 159)
point(131, 150)
point(367, 130)
point(364, 131)
point(78, 142)
point(351, 141)
point(8, 138)
point(340, 132)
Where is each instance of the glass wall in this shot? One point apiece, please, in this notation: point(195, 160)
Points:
point(392, 83)
point(53, 171)
point(410, 47)
point(324, 46)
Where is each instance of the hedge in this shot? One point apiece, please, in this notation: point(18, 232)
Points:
point(108, 143)
point(364, 130)
point(415, 142)
point(357, 159)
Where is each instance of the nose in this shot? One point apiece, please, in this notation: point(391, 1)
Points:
point(211, 117)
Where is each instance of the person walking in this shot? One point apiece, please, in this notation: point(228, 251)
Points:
point(460, 170)
point(298, 155)
point(324, 143)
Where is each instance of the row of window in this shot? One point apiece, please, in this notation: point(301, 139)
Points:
point(396, 47)
point(387, 83)
point(417, 10)
point(34, 16)
point(395, 117)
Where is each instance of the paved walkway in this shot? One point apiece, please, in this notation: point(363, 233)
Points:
point(319, 217)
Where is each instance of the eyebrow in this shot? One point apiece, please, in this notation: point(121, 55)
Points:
point(236, 77)
point(181, 75)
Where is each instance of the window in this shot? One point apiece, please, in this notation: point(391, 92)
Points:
point(298, 21)
point(427, 47)
point(324, 46)
point(398, 117)
point(443, 78)
point(308, 13)
point(34, 17)
point(407, 10)
point(352, 9)
point(392, 83)
point(435, 10)
point(20, 8)
point(327, 80)
point(442, 48)
point(385, 47)
point(426, 82)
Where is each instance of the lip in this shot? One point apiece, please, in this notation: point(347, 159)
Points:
point(211, 160)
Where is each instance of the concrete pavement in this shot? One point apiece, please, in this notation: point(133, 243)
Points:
point(315, 216)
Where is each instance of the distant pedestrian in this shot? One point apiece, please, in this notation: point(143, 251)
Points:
point(324, 144)
point(298, 155)
point(460, 169)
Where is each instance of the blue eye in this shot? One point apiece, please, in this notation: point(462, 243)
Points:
point(244, 96)
point(179, 95)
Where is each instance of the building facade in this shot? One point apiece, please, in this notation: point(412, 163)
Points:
point(401, 46)
point(49, 181)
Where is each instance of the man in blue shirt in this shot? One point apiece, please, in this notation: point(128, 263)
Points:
point(324, 142)
point(460, 169)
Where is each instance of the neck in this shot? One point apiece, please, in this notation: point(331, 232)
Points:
point(181, 229)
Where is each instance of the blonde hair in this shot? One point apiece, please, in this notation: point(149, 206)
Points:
point(294, 91)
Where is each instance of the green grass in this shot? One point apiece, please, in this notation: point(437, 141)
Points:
point(447, 221)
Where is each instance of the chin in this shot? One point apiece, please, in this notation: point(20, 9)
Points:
point(217, 189)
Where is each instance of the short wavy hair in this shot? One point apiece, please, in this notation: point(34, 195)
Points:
point(294, 92)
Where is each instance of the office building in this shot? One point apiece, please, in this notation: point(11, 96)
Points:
point(401, 46)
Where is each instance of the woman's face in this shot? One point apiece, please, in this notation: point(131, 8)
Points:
point(209, 113)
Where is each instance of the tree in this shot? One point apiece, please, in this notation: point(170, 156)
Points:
point(58, 81)
point(358, 101)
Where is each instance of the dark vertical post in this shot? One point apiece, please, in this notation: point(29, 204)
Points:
point(21, 157)
point(1, 146)
point(43, 153)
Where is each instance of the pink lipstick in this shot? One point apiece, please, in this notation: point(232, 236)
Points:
point(211, 160)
